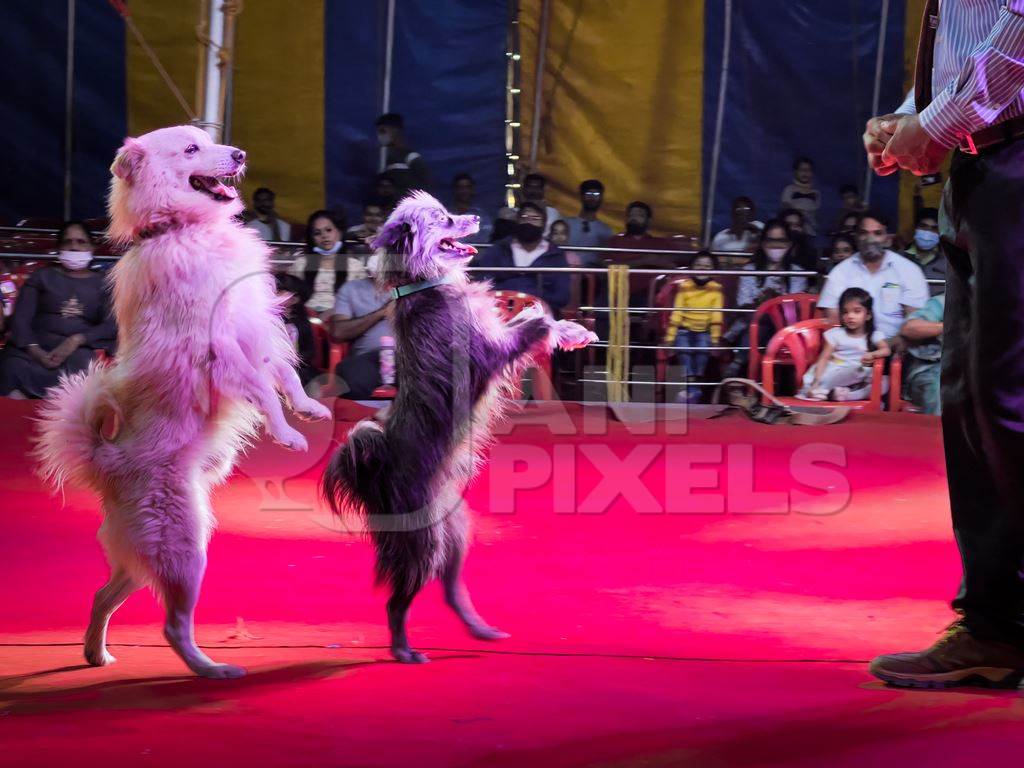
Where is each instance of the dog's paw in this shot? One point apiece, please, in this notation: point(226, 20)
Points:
point(99, 657)
point(572, 335)
point(409, 656)
point(484, 632)
point(290, 438)
point(220, 671)
point(311, 410)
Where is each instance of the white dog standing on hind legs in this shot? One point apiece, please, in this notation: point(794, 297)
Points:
point(203, 357)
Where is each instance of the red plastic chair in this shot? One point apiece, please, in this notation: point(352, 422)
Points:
point(783, 311)
point(509, 304)
point(799, 345)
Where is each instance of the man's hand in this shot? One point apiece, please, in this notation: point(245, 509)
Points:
point(41, 356)
point(912, 149)
point(63, 352)
point(877, 134)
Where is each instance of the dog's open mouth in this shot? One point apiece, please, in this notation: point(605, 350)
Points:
point(219, 188)
point(453, 246)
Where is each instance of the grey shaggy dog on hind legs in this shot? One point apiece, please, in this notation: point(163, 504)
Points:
point(456, 362)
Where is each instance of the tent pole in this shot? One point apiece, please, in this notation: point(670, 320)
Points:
point(69, 108)
point(389, 51)
point(538, 81)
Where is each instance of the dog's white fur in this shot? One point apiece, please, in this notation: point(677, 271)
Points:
point(202, 355)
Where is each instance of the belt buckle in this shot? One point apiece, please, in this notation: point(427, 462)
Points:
point(967, 145)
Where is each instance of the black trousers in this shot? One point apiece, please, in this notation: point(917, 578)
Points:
point(982, 227)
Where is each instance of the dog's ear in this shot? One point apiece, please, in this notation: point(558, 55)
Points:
point(393, 236)
point(128, 160)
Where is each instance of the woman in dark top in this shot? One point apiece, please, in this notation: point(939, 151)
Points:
point(62, 317)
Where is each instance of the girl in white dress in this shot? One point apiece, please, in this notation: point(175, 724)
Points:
point(843, 369)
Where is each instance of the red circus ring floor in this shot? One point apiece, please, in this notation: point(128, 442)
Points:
point(659, 638)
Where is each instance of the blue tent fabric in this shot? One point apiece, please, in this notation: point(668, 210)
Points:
point(801, 81)
point(33, 58)
point(448, 81)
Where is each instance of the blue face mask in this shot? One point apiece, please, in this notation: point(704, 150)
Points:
point(925, 240)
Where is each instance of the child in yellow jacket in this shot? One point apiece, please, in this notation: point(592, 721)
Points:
point(696, 320)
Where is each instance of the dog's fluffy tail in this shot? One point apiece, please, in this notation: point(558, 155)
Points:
point(69, 427)
point(351, 479)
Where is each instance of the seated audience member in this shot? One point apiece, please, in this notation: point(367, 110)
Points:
point(848, 224)
point(406, 168)
point(359, 237)
point(774, 254)
point(743, 233)
point(923, 333)
point(62, 317)
point(527, 249)
point(385, 192)
point(296, 321)
point(852, 204)
point(535, 191)
point(586, 229)
point(559, 234)
point(896, 284)
point(639, 216)
point(696, 321)
point(504, 224)
point(463, 194)
point(925, 250)
point(361, 319)
point(845, 364)
point(323, 265)
point(842, 247)
point(802, 195)
point(804, 252)
point(264, 219)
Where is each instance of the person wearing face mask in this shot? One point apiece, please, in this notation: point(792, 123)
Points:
point(62, 317)
point(696, 321)
point(925, 249)
point(406, 168)
point(774, 254)
point(323, 265)
point(528, 250)
point(896, 284)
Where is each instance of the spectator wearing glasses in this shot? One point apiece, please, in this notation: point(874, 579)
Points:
point(528, 250)
point(586, 229)
point(743, 233)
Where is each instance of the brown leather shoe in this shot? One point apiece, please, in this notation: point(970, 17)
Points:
point(959, 658)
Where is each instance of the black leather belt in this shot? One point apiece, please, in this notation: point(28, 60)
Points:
point(994, 135)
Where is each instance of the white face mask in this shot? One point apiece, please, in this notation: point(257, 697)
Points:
point(329, 251)
point(775, 255)
point(372, 264)
point(74, 259)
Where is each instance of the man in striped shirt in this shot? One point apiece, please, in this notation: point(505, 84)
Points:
point(972, 58)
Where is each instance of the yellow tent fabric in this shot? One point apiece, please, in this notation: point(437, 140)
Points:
point(607, 61)
point(278, 106)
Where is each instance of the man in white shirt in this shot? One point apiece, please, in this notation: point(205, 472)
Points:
point(743, 233)
point(896, 284)
point(265, 220)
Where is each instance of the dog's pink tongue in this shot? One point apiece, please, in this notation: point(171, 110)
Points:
point(222, 189)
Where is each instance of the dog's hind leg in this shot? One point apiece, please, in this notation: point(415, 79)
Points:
point(108, 599)
point(398, 612)
point(180, 594)
point(455, 592)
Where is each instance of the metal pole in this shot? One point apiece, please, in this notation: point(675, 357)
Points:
point(389, 51)
point(719, 121)
point(69, 109)
point(883, 27)
point(212, 120)
point(538, 81)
